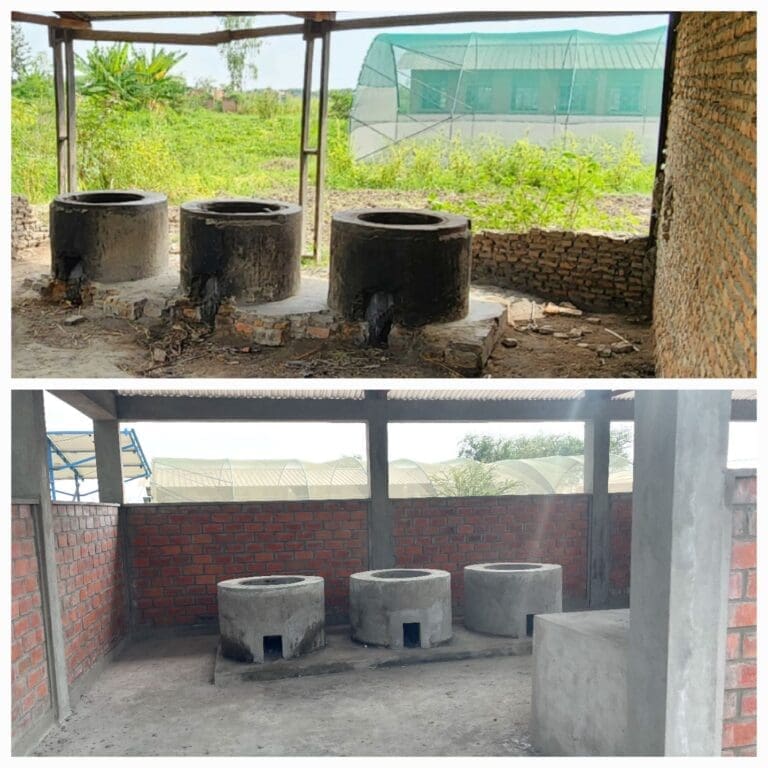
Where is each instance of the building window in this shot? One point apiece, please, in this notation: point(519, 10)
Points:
point(572, 98)
point(524, 99)
point(479, 98)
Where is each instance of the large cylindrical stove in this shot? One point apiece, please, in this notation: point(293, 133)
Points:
point(269, 617)
point(503, 598)
point(109, 236)
point(401, 607)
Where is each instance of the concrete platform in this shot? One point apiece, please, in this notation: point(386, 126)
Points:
point(579, 704)
point(463, 345)
point(342, 654)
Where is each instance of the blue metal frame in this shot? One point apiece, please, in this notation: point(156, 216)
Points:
point(134, 446)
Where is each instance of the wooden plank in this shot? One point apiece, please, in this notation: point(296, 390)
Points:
point(205, 38)
point(306, 103)
point(61, 116)
point(69, 65)
point(322, 141)
point(48, 21)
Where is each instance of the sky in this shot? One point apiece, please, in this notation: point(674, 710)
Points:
point(280, 61)
point(318, 442)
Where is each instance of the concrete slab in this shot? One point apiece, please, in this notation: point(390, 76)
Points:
point(156, 699)
point(342, 654)
point(579, 704)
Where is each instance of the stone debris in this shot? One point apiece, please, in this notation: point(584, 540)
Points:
point(74, 320)
point(594, 320)
point(575, 333)
point(604, 351)
point(26, 231)
point(565, 308)
point(546, 330)
point(622, 347)
point(509, 342)
point(583, 345)
point(560, 335)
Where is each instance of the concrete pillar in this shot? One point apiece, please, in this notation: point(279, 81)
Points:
point(381, 553)
point(597, 440)
point(679, 573)
point(29, 483)
point(109, 467)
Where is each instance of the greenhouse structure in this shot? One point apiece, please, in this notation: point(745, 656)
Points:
point(183, 479)
point(541, 86)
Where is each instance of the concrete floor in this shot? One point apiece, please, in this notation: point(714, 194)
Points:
point(157, 699)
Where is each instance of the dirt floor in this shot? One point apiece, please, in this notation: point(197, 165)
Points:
point(44, 345)
point(157, 699)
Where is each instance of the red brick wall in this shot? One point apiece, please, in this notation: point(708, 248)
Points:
point(704, 306)
point(30, 691)
point(740, 705)
point(452, 533)
point(179, 553)
point(91, 583)
point(621, 545)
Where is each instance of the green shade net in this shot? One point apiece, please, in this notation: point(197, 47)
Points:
point(535, 85)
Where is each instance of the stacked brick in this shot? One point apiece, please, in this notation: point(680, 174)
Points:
point(705, 301)
point(740, 702)
point(30, 690)
point(620, 547)
point(178, 554)
point(594, 272)
point(26, 230)
point(91, 583)
point(452, 533)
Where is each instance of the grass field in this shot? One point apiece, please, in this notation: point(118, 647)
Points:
point(197, 152)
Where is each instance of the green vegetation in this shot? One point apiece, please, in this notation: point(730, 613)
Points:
point(487, 448)
point(139, 126)
point(471, 479)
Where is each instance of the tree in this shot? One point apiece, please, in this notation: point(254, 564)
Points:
point(489, 448)
point(239, 54)
point(21, 54)
point(471, 479)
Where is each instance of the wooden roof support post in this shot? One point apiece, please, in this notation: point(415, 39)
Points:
point(55, 38)
point(69, 62)
point(322, 137)
point(306, 105)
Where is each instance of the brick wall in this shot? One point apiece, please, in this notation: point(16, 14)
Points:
point(179, 553)
point(26, 230)
point(620, 547)
point(452, 533)
point(705, 303)
point(740, 704)
point(594, 272)
point(30, 692)
point(91, 583)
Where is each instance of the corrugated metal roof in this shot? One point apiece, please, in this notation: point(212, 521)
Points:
point(253, 394)
point(485, 394)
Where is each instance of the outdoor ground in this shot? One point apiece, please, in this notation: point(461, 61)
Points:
point(157, 699)
point(43, 346)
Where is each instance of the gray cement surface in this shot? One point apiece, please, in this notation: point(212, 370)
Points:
point(157, 699)
point(342, 654)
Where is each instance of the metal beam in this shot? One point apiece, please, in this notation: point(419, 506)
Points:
point(96, 404)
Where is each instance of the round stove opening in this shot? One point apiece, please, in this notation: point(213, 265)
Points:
point(107, 198)
point(240, 206)
point(400, 218)
point(271, 581)
point(512, 567)
point(399, 574)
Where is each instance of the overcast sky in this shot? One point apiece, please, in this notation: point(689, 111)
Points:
point(280, 61)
